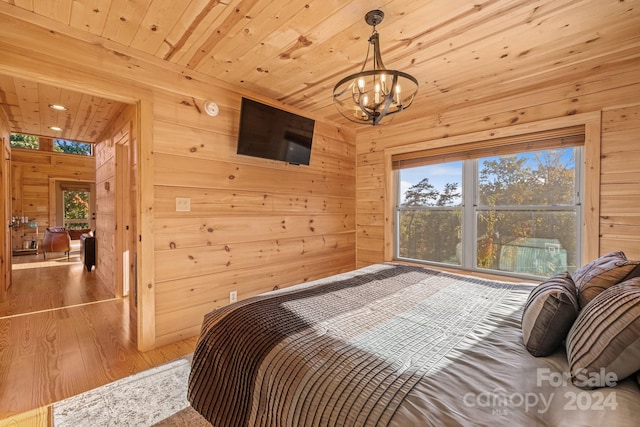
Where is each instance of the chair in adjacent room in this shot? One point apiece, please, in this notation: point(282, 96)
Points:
point(56, 239)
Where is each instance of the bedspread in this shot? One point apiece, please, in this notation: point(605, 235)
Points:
point(384, 345)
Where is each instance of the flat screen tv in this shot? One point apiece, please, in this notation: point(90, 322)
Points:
point(271, 133)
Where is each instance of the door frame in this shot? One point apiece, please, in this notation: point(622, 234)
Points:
point(53, 200)
point(100, 77)
point(5, 215)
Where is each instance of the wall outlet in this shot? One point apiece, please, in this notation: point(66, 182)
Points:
point(183, 204)
point(233, 296)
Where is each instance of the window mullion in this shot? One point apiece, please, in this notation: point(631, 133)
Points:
point(470, 197)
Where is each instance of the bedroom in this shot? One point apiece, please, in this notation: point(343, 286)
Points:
point(336, 206)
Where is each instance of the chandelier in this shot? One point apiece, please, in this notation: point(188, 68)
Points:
point(368, 96)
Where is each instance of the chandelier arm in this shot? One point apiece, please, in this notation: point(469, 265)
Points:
point(377, 57)
point(366, 58)
point(388, 100)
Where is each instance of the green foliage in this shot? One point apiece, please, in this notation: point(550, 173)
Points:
point(430, 225)
point(76, 206)
point(427, 234)
point(20, 140)
point(71, 147)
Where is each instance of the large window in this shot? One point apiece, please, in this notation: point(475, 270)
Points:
point(518, 213)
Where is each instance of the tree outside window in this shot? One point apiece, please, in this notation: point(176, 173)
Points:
point(76, 209)
point(72, 147)
point(522, 215)
point(29, 142)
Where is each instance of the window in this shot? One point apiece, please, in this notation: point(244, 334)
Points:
point(430, 213)
point(72, 147)
point(19, 140)
point(76, 208)
point(517, 212)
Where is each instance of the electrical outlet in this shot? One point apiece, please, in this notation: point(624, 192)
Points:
point(233, 296)
point(183, 204)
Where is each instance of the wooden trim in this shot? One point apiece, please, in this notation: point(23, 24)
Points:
point(145, 242)
point(591, 199)
point(5, 211)
point(122, 185)
point(389, 219)
point(591, 210)
point(53, 200)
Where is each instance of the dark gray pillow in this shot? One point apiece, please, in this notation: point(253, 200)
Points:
point(602, 273)
point(549, 314)
point(606, 337)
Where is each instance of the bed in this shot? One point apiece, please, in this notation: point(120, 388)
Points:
point(389, 345)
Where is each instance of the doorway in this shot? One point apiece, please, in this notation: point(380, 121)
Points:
point(50, 189)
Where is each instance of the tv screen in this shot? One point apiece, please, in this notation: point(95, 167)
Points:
point(271, 133)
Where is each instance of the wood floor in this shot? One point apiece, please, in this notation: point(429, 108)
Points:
point(58, 281)
point(58, 352)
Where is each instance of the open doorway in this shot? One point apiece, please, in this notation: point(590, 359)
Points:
point(49, 188)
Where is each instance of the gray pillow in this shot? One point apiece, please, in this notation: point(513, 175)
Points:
point(549, 314)
point(602, 273)
point(605, 337)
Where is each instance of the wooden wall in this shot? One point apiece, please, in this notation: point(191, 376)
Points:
point(112, 186)
point(620, 180)
point(613, 90)
point(105, 233)
point(254, 224)
point(33, 172)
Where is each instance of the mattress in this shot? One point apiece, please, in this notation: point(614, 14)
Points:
point(389, 345)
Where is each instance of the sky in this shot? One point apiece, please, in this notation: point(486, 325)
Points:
point(441, 174)
point(438, 175)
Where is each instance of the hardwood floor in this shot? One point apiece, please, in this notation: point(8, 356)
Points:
point(40, 284)
point(56, 353)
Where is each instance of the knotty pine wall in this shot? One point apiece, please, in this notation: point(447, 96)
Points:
point(105, 154)
point(32, 172)
point(109, 252)
point(254, 224)
point(613, 90)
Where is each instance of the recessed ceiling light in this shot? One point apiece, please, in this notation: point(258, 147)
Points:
point(56, 128)
point(58, 107)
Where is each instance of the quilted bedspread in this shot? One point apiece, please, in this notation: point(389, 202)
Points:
point(386, 345)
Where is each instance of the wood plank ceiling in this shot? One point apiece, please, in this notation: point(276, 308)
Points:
point(295, 51)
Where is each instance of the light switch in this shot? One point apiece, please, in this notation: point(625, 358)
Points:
point(183, 204)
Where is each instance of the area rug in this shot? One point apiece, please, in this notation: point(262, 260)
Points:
point(157, 395)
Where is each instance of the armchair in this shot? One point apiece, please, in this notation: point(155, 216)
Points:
point(56, 239)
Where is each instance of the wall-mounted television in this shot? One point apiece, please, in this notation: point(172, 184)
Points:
point(271, 133)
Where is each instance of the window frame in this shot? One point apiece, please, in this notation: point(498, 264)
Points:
point(470, 207)
point(591, 125)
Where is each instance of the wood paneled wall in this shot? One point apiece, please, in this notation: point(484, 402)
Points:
point(620, 180)
point(32, 175)
point(254, 224)
point(612, 90)
point(106, 213)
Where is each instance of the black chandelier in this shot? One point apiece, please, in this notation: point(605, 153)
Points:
point(368, 96)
